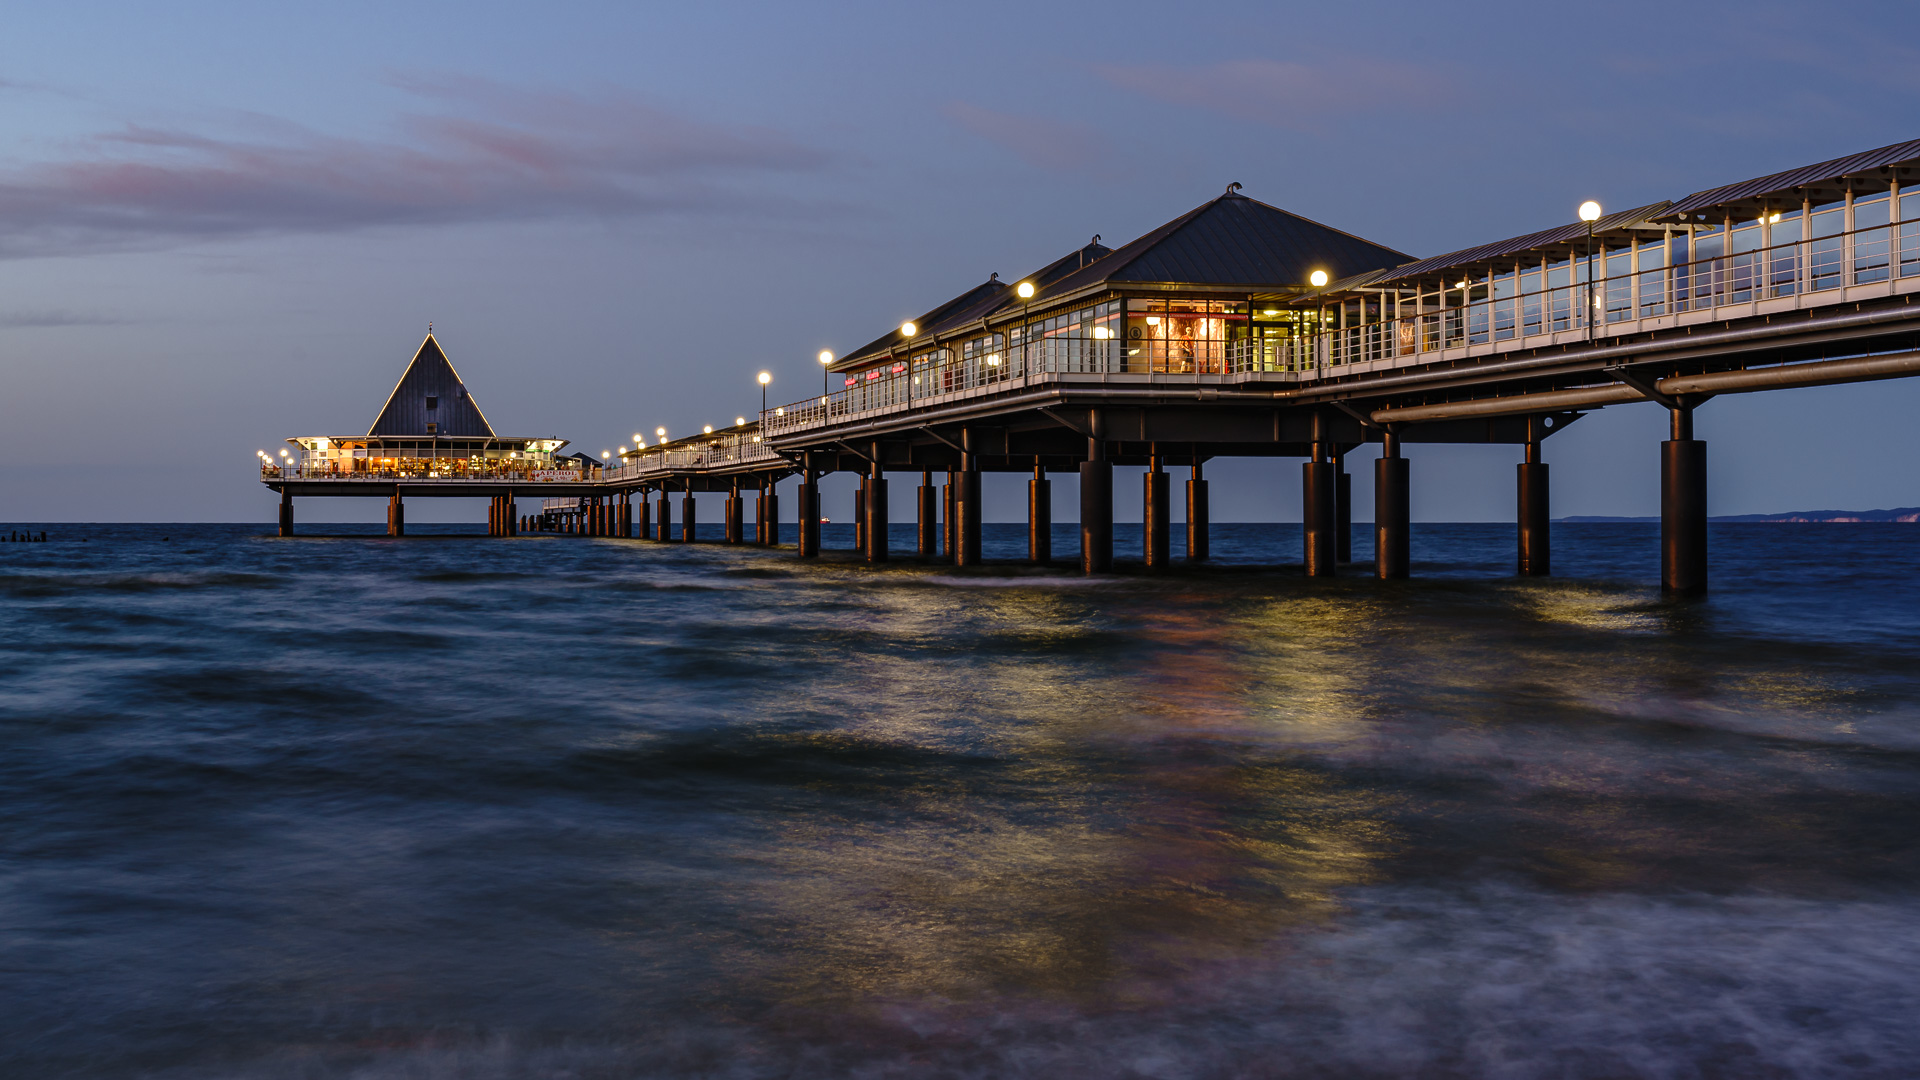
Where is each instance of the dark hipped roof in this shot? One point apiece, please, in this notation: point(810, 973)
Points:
point(973, 305)
point(431, 374)
point(1234, 241)
point(1873, 168)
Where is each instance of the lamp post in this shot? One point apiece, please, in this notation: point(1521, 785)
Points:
point(765, 378)
point(1024, 291)
point(826, 358)
point(1590, 213)
point(907, 330)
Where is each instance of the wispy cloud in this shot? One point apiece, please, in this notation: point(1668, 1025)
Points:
point(475, 151)
point(1291, 94)
point(1047, 144)
point(26, 320)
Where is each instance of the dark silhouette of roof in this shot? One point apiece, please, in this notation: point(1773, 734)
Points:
point(431, 380)
point(1233, 241)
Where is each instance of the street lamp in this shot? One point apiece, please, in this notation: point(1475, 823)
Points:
point(1024, 291)
point(765, 378)
point(826, 358)
point(1590, 213)
point(907, 330)
point(1318, 279)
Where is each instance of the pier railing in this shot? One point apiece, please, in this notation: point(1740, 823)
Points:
point(430, 470)
point(716, 452)
point(1546, 303)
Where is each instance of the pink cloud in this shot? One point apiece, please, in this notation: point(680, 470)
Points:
point(481, 152)
point(1047, 144)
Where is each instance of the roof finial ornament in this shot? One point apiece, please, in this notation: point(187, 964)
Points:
point(1096, 240)
point(1233, 188)
point(993, 277)
point(429, 326)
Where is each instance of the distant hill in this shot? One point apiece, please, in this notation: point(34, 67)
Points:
point(1908, 514)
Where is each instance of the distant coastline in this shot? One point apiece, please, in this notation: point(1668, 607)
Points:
point(1905, 514)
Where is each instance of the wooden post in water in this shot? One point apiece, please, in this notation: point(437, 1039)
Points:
point(396, 516)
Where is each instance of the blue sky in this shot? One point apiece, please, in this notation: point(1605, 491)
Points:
point(223, 224)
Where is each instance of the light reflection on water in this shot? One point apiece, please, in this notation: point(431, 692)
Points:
point(546, 807)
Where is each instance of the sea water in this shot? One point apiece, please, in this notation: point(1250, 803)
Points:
point(449, 806)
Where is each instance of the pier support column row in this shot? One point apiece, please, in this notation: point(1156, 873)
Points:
point(1683, 509)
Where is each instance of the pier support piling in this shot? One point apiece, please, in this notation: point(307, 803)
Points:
point(860, 516)
point(688, 524)
point(809, 509)
point(1342, 509)
point(966, 526)
point(396, 516)
point(876, 510)
point(770, 508)
point(927, 514)
point(1683, 509)
point(1317, 509)
point(1096, 506)
point(1039, 517)
point(1199, 541)
point(1536, 521)
point(735, 512)
point(1156, 511)
point(950, 498)
point(286, 513)
point(1392, 511)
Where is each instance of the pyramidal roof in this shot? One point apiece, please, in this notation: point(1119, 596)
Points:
point(430, 392)
point(1238, 241)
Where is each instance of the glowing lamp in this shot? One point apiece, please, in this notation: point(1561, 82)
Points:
point(661, 432)
point(826, 356)
point(1025, 290)
point(1589, 211)
point(908, 328)
point(1318, 278)
point(765, 378)
point(708, 430)
point(739, 421)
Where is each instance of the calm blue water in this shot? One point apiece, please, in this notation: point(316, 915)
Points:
point(447, 806)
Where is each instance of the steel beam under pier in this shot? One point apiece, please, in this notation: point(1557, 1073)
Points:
point(286, 513)
point(1536, 535)
point(1391, 510)
point(1039, 517)
point(1683, 509)
point(927, 515)
point(1156, 510)
point(1198, 540)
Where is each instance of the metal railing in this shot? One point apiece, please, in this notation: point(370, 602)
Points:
point(430, 470)
point(721, 452)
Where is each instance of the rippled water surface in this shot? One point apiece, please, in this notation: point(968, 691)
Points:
point(549, 807)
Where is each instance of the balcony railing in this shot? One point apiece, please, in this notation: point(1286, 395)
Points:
point(430, 470)
point(1490, 315)
point(722, 452)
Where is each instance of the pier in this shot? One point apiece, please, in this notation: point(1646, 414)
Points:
point(1240, 329)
